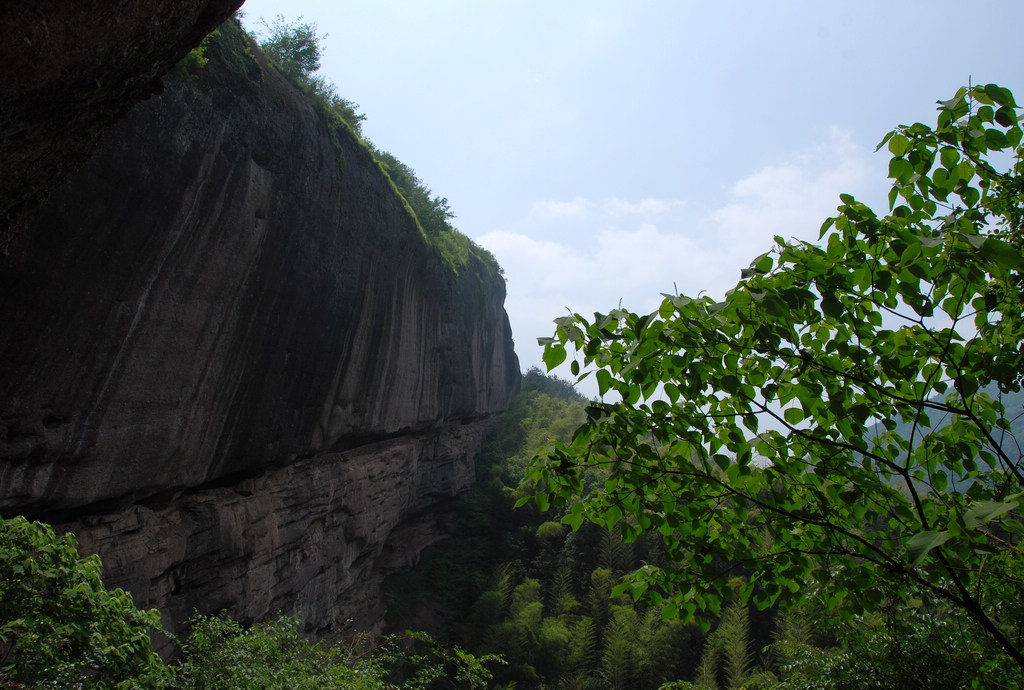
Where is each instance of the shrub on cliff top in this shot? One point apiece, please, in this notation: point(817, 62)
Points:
point(295, 47)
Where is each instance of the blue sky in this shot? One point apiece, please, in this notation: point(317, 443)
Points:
point(609, 151)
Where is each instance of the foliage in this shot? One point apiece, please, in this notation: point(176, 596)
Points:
point(345, 110)
point(434, 215)
point(59, 626)
point(190, 65)
point(536, 380)
point(297, 47)
point(222, 654)
point(926, 645)
point(486, 530)
point(415, 660)
point(741, 434)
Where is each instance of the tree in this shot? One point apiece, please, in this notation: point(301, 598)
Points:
point(295, 47)
point(59, 626)
point(757, 434)
point(896, 647)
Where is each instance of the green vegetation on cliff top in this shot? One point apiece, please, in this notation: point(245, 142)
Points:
point(295, 48)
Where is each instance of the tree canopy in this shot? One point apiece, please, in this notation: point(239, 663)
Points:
point(59, 626)
point(297, 46)
point(756, 433)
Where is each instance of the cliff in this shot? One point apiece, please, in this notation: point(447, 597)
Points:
point(232, 364)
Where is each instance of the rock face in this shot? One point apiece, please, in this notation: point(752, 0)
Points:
point(72, 69)
point(232, 364)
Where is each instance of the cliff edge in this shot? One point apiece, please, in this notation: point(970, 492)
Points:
point(231, 362)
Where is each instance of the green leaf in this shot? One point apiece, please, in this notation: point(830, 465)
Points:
point(995, 139)
point(999, 95)
point(1006, 116)
point(965, 171)
point(553, 356)
point(612, 515)
point(775, 306)
point(1001, 253)
point(898, 145)
point(764, 263)
point(883, 281)
point(984, 512)
point(730, 383)
point(885, 139)
point(900, 169)
point(1014, 526)
point(970, 195)
point(669, 611)
point(832, 307)
point(833, 337)
point(949, 156)
point(921, 543)
point(574, 520)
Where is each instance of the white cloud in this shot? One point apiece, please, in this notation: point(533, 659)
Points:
point(548, 279)
point(613, 207)
point(644, 207)
point(615, 250)
point(792, 198)
point(549, 210)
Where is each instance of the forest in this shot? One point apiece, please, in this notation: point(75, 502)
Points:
point(815, 482)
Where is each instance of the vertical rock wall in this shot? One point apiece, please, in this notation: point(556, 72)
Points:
point(232, 364)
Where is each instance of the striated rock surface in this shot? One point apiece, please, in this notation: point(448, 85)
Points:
point(316, 537)
point(72, 69)
point(231, 363)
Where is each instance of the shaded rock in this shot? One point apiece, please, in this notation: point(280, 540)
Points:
point(316, 537)
point(70, 71)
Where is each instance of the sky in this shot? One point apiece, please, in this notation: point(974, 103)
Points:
point(609, 151)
